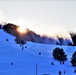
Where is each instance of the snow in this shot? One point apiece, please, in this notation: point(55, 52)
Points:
point(24, 61)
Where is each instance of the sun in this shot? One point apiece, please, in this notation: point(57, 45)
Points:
point(23, 25)
point(21, 29)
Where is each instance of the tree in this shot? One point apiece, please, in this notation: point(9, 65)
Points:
point(0, 26)
point(19, 41)
point(73, 59)
point(73, 36)
point(59, 54)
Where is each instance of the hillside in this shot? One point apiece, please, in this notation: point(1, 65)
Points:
point(24, 61)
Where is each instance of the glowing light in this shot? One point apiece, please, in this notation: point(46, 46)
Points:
point(21, 29)
point(23, 24)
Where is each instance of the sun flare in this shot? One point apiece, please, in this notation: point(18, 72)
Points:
point(21, 29)
point(23, 25)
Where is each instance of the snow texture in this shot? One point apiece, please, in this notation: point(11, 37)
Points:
point(17, 61)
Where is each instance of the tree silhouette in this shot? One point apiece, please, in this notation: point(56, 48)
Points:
point(73, 59)
point(59, 54)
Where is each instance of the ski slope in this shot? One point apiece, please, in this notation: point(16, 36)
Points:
point(24, 61)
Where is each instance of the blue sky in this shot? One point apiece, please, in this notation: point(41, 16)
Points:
point(40, 16)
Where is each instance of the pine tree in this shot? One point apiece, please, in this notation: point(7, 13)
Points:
point(73, 59)
point(59, 54)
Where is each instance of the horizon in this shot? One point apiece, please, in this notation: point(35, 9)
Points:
point(43, 17)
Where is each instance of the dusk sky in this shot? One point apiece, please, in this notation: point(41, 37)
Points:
point(44, 17)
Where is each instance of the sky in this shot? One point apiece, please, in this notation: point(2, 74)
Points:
point(43, 17)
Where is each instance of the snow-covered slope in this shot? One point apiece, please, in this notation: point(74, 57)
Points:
point(24, 61)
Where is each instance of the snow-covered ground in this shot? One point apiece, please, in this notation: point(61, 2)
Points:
point(28, 60)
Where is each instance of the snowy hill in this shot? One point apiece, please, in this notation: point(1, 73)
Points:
point(28, 61)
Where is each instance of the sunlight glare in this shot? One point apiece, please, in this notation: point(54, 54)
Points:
point(23, 25)
point(21, 29)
